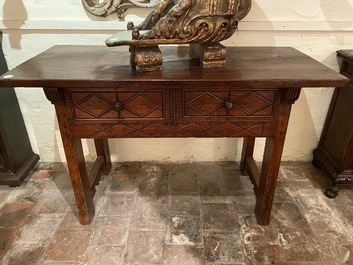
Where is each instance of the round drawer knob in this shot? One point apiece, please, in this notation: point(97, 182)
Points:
point(118, 106)
point(228, 105)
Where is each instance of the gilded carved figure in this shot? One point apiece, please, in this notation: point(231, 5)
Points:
point(201, 23)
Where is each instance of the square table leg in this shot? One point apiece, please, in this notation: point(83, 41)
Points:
point(270, 167)
point(81, 183)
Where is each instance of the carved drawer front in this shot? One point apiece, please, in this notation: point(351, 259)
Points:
point(117, 105)
point(229, 103)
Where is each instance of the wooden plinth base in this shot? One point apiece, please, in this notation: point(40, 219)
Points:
point(14, 179)
point(210, 54)
point(146, 58)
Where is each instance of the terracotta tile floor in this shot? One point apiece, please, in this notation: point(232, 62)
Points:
point(182, 214)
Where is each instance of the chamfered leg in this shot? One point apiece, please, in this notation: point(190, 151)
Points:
point(270, 167)
point(77, 168)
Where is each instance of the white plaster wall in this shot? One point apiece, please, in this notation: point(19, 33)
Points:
point(317, 28)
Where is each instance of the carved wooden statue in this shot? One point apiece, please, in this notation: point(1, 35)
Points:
point(201, 23)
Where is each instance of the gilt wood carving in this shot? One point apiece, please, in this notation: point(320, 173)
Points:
point(119, 7)
point(201, 23)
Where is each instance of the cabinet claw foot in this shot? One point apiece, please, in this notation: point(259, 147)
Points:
point(332, 192)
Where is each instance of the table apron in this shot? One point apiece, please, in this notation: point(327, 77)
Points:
point(200, 129)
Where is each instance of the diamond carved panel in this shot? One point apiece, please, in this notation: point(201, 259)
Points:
point(117, 105)
point(252, 103)
point(141, 105)
point(231, 103)
point(95, 105)
point(206, 103)
point(193, 129)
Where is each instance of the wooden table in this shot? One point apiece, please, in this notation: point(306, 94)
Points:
point(97, 95)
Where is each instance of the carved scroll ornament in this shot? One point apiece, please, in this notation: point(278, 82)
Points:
point(186, 21)
point(201, 23)
point(108, 7)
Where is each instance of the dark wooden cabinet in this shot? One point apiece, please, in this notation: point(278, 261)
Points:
point(335, 151)
point(16, 156)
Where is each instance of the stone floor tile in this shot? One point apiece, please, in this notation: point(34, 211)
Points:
point(223, 248)
point(184, 230)
point(223, 199)
point(148, 179)
point(289, 214)
point(185, 255)
point(211, 179)
point(7, 236)
point(306, 228)
point(124, 177)
point(275, 244)
point(298, 246)
point(29, 191)
point(324, 233)
point(3, 196)
point(235, 182)
point(108, 255)
point(185, 205)
point(149, 216)
point(110, 235)
point(51, 204)
point(145, 247)
point(69, 245)
point(61, 181)
point(32, 254)
point(283, 194)
point(71, 219)
point(15, 214)
point(219, 217)
point(238, 185)
point(118, 221)
point(255, 238)
point(55, 167)
point(42, 174)
point(183, 179)
point(155, 182)
point(38, 230)
point(244, 204)
point(116, 205)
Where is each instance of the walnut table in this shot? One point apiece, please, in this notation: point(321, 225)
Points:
point(97, 95)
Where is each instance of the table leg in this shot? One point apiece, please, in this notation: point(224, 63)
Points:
point(77, 168)
point(102, 149)
point(248, 151)
point(270, 168)
point(79, 179)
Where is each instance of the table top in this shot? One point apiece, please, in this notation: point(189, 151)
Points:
point(101, 66)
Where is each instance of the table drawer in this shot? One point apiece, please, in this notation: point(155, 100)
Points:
point(117, 105)
point(229, 103)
